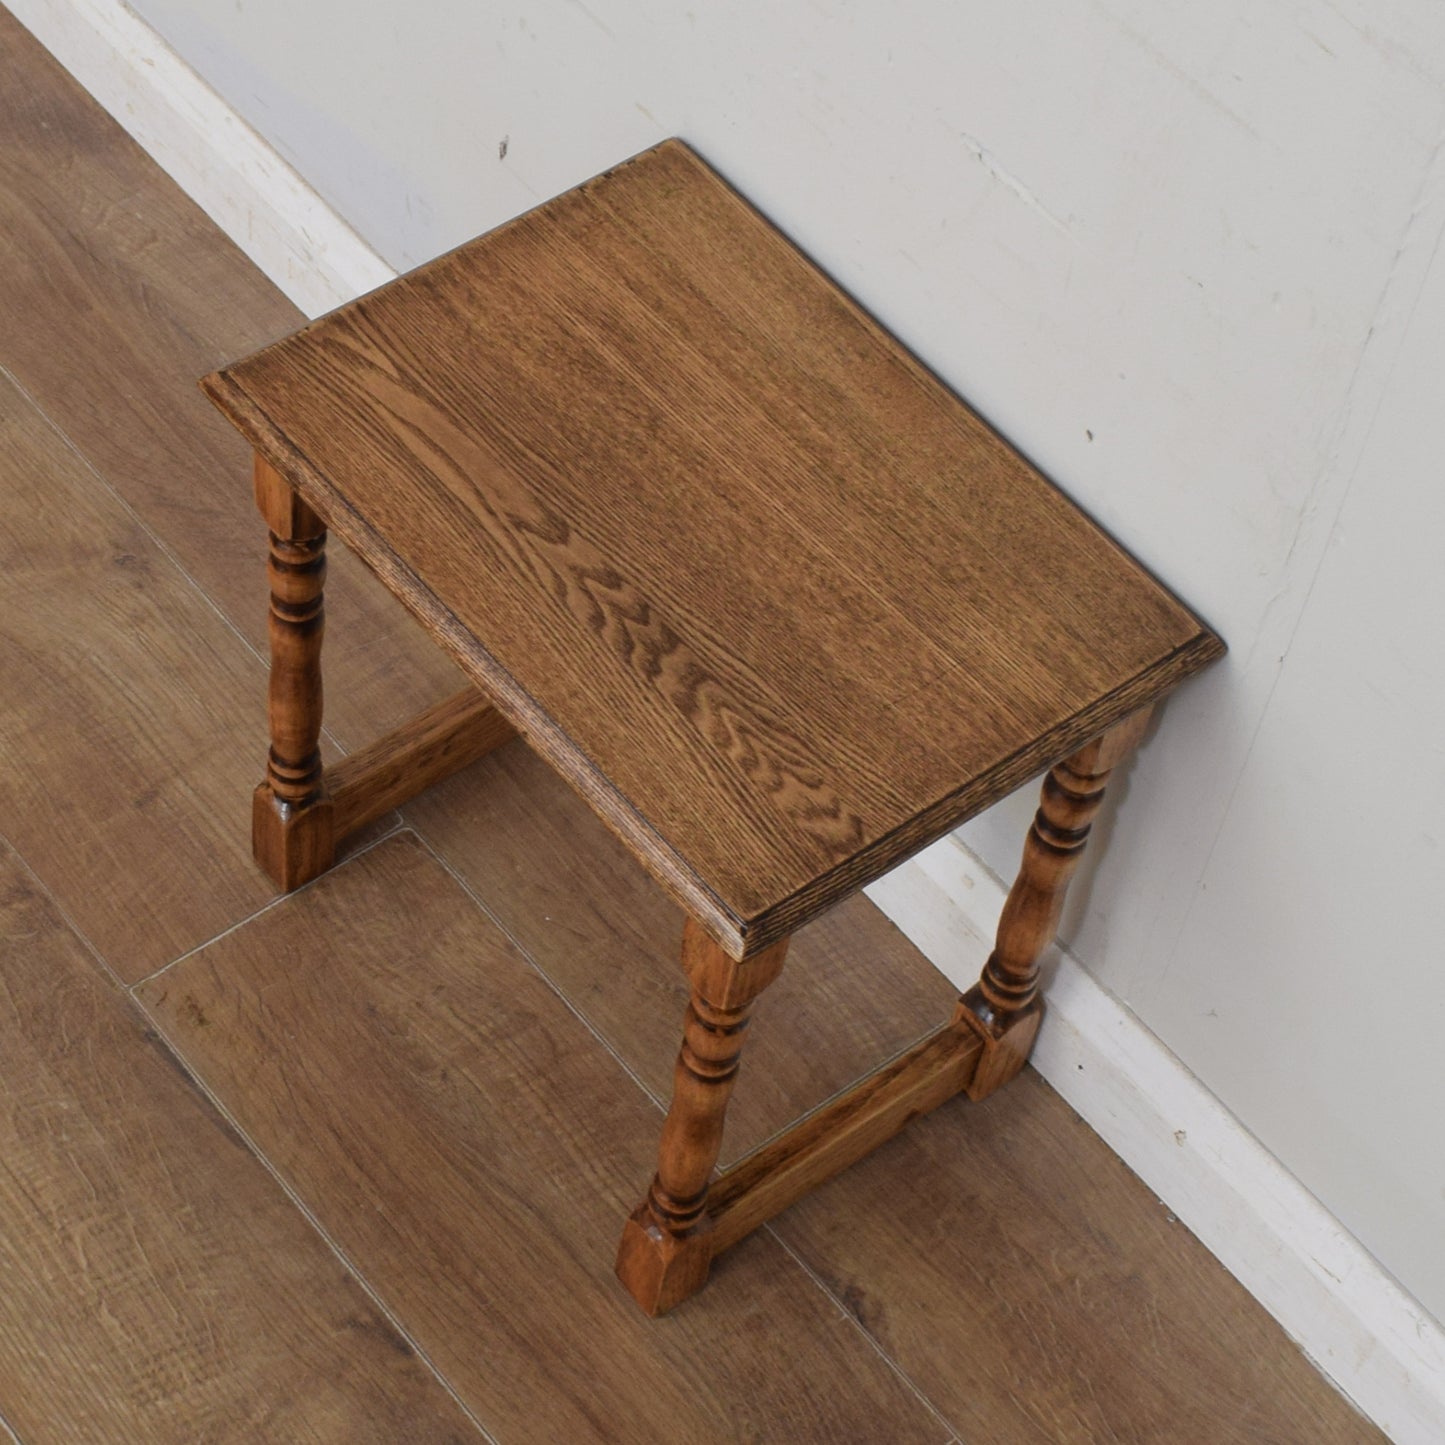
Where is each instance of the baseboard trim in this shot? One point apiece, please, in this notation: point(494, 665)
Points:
point(1378, 1345)
point(1363, 1331)
point(224, 165)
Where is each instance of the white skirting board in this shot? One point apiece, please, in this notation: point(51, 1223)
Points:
point(1349, 1316)
point(234, 175)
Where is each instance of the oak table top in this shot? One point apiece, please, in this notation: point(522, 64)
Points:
point(772, 598)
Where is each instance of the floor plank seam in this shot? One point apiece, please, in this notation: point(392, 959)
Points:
point(904, 1378)
point(9, 1429)
point(124, 503)
point(322, 1233)
point(160, 543)
point(526, 955)
point(49, 893)
point(661, 1106)
point(266, 907)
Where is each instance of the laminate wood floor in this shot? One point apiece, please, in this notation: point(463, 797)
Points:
point(350, 1167)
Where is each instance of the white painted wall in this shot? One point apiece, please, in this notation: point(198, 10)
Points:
point(1185, 257)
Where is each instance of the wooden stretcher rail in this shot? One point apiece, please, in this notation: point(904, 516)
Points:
point(409, 759)
point(827, 1141)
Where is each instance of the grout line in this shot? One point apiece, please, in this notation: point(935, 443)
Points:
point(306, 1212)
point(266, 907)
point(224, 933)
point(155, 537)
point(532, 963)
point(130, 990)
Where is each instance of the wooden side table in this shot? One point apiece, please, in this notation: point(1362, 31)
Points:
point(770, 597)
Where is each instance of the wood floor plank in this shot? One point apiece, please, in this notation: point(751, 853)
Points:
point(1038, 1292)
point(474, 1150)
point(116, 293)
point(156, 1285)
point(608, 937)
point(132, 718)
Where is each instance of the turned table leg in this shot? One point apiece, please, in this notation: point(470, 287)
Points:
point(667, 1247)
point(291, 820)
point(1004, 1006)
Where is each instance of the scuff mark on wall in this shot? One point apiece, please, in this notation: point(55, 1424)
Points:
point(1009, 181)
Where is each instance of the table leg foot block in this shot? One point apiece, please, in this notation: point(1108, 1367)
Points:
point(658, 1269)
point(293, 845)
point(1006, 1046)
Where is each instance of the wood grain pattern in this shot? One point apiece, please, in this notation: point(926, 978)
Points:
point(855, 989)
point(156, 1285)
point(1004, 1007)
point(1073, 792)
point(117, 292)
point(770, 597)
point(131, 717)
point(666, 1247)
point(292, 832)
point(446, 738)
point(1031, 1286)
point(843, 1131)
point(472, 1149)
point(714, 1031)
